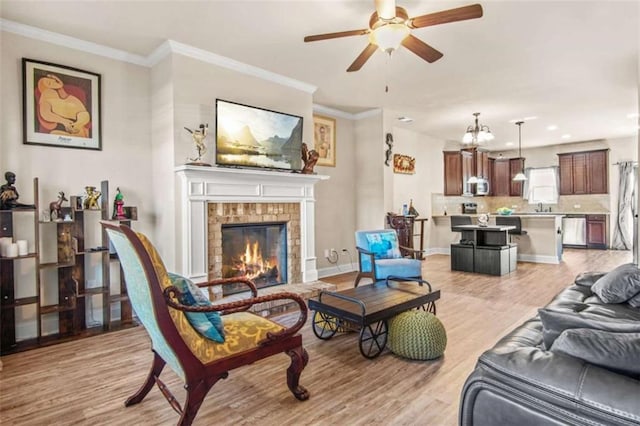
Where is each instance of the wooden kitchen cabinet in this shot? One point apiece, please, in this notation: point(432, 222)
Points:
point(452, 173)
point(597, 231)
point(516, 165)
point(584, 172)
point(501, 178)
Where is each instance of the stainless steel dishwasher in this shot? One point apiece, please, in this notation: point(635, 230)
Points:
point(574, 231)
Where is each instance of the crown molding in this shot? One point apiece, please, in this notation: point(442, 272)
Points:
point(169, 46)
point(71, 42)
point(232, 64)
point(321, 109)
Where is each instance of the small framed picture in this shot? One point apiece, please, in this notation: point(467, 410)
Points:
point(324, 140)
point(61, 106)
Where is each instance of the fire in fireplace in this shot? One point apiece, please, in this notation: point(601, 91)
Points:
point(257, 251)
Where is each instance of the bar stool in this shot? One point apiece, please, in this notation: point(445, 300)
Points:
point(511, 221)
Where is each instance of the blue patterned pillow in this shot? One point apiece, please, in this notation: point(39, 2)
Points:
point(209, 324)
point(384, 245)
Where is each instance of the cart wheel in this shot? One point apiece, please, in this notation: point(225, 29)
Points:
point(373, 339)
point(324, 326)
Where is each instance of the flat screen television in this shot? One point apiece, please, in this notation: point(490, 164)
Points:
point(248, 136)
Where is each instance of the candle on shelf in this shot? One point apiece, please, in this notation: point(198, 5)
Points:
point(4, 243)
point(23, 248)
point(12, 250)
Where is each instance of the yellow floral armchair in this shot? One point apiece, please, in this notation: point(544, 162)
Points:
point(159, 303)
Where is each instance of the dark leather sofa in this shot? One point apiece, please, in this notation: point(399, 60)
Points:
point(518, 382)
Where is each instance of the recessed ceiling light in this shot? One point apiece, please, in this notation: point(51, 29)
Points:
point(633, 115)
point(515, 120)
point(509, 144)
point(405, 119)
point(567, 136)
point(552, 127)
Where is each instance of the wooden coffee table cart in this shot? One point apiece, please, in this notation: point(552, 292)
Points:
point(367, 308)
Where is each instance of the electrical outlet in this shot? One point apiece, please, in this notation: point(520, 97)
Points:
point(515, 206)
point(326, 252)
point(576, 206)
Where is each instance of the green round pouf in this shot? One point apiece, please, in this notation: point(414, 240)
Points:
point(417, 335)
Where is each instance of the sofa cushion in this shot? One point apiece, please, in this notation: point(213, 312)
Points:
point(587, 279)
point(615, 351)
point(619, 285)
point(555, 322)
point(208, 324)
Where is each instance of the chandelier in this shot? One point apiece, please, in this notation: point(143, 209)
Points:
point(477, 133)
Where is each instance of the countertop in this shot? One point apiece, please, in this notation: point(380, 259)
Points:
point(525, 214)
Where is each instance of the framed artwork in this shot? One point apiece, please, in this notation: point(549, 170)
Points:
point(61, 106)
point(404, 164)
point(324, 140)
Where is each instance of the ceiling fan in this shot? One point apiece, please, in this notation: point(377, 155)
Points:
point(390, 27)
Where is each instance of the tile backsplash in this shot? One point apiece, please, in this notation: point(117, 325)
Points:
point(566, 204)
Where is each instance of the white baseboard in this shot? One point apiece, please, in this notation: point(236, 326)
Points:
point(334, 270)
point(534, 258)
point(438, 250)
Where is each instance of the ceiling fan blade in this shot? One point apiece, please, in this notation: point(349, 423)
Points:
point(328, 36)
point(421, 49)
point(452, 15)
point(386, 9)
point(362, 58)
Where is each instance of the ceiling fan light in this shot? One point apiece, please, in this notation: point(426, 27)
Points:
point(388, 37)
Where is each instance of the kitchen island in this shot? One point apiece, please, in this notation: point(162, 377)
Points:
point(541, 244)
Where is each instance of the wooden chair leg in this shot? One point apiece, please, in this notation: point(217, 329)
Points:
point(156, 369)
point(195, 396)
point(299, 359)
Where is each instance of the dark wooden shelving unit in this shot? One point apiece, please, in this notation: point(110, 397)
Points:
point(74, 306)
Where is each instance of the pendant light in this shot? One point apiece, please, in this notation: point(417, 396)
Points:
point(520, 176)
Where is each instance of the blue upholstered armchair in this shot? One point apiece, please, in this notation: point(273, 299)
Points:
point(379, 256)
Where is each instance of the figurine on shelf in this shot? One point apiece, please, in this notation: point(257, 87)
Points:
point(118, 206)
point(91, 199)
point(9, 194)
point(309, 158)
point(198, 136)
point(55, 207)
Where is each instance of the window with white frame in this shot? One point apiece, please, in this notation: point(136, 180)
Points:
point(542, 186)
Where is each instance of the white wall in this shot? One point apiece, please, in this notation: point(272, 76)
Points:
point(370, 194)
point(125, 156)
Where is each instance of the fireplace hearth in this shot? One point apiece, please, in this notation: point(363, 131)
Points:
point(256, 251)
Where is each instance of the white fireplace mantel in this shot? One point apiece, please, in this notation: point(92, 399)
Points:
point(198, 186)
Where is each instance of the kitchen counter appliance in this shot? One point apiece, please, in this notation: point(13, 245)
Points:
point(469, 208)
point(574, 231)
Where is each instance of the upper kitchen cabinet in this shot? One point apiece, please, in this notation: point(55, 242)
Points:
point(452, 173)
point(461, 165)
point(584, 172)
point(504, 170)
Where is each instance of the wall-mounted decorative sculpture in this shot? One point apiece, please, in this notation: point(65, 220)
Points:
point(389, 142)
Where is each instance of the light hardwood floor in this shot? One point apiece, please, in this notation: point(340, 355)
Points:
point(87, 381)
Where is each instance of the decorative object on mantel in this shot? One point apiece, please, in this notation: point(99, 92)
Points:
point(477, 133)
point(324, 140)
point(91, 198)
point(309, 158)
point(412, 210)
point(61, 106)
point(199, 136)
point(404, 164)
point(520, 176)
point(387, 153)
point(483, 220)
point(55, 207)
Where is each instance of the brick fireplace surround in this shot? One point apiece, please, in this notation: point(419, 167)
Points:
point(210, 196)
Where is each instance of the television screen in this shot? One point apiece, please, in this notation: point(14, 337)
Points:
point(255, 137)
